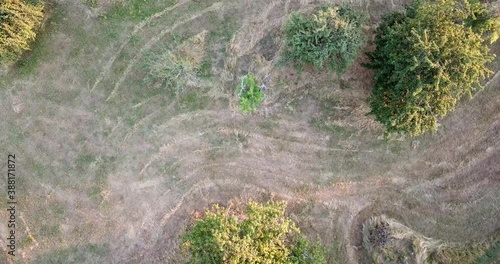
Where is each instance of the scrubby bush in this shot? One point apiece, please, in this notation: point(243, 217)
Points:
point(178, 68)
point(330, 38)
point(171, 69)
point(426, 60)
point(261, 234)
point(19, 23)
point(249, 94)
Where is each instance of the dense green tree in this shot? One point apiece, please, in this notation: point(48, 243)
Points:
point(260, 235)
point(18, 25)
point(306, 252)
point(426, 60)
point(332, 37)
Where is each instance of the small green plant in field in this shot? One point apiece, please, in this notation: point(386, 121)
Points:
point(205, 69)
point(249, 93)
point(259, 234)
point(330, 38)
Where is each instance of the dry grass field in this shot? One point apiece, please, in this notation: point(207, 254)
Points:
point(111, 166)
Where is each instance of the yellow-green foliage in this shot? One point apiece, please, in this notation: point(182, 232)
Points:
point(262, 234)
point(427, 59)
point(18, 25)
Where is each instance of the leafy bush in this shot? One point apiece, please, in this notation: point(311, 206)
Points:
point(18, 25)
point(261, 234)
point(426, 60)
point(249, 94)
point(331, 38)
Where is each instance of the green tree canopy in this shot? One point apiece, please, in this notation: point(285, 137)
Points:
point(18, 25)
point(260, 235)
point(332, 37)
point(426, 60)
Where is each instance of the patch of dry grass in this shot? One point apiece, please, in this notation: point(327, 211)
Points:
point(405, 244)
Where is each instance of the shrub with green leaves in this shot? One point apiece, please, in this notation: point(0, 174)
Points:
point(426, 60)
point(249, 94)
point(261, 234)
point(332, 37)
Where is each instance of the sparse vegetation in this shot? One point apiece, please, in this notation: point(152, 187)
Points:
point(205, 69)
point(249, 94)
point(90, 3)
point(88, 253)
point(259, 234)
point(171, 70)
point(330, 38)
point(19, 23)
point(134, 10)
point(179, 67)
point(426, 60)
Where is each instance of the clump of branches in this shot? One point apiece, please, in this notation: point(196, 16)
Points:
point(379, 235)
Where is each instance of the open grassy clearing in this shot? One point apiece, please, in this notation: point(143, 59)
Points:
point(113, 167)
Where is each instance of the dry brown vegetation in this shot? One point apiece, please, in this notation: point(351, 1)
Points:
point(112, 169)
